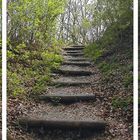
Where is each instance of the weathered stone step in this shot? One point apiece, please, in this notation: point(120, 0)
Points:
point(73, 70)
point(77, 46)
point(78, 63)
point(71, 81)
point(74, 48)
point(65, 98)
point(73, 54)
point(62, 124)
point(75, 59)
point(74, 51)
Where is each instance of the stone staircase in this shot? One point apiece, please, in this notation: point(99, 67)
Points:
point(73, 74)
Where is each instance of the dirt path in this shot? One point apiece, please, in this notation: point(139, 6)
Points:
point(73, 106)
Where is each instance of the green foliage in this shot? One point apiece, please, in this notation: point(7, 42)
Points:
point(122, 103)
point(111, 46)
point(52, 60)
point(31, 71)
point(15, 84)
point(128, 80)
point(40, 84)
point(33, 50)
point(86, 23)
point(93, 51)
point(33, 20)
point(106, 67)
point(111, 11)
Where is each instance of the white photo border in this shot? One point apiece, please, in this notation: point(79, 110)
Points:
point(4, 70)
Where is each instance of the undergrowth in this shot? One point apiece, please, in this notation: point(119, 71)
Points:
point(32, 46)
point(30, 73)
point(118, 102)
point(113, 55)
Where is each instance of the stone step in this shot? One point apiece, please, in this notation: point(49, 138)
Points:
point(74, 51)
point(65, 98)
point(73, 54)
point(77, 63)
point(62, 124)
point(74, 48)
point(72, 71)
point(71, 81)
point(77, 46)
point(75, 59)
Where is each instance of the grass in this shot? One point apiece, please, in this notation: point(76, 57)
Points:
point(128, 80)
point(118, 102)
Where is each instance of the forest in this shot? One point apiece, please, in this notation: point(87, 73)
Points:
point(39, 30)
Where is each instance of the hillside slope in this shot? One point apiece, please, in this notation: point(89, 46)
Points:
point(114, 58)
